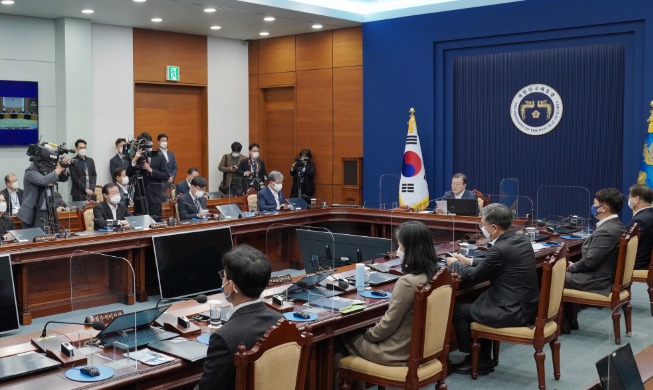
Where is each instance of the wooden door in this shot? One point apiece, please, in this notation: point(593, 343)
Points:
point(278, 132)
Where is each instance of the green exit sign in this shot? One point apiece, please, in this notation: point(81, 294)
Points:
point(172, 73)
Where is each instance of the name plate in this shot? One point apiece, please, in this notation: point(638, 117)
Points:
point(104, 317)
point(281, 279)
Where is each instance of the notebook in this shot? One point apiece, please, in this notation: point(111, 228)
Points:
point(229, 211)
point(27, 235)
point(25, 364)
point(298, 203)
point(618, 370)
point(134, 330)
point(140, 221)
point(465, 207)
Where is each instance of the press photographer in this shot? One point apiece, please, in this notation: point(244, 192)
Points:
point(302, 172)
point(48, 166)
point(150, 174)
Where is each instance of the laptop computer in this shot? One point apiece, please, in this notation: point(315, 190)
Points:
point(465, 207)
point(134, 330)
point(298, 203)
point(27, 235)
point(618, 370)
point(77, 204)
point(229, 211)
point(309, 285)
point(25, 364)
point(140, 221)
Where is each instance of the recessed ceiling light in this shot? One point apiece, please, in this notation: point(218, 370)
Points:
point(7, 2)
point(87, 11)
point(316, 26)
point(209, 10)
point(139, 1)
point(215, 27)
point(264, 33)
point(269, 19)
point(157, 20)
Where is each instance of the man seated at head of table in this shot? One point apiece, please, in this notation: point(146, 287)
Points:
point(110, 209)
point(192, 204)
point(595, 271)
point(245, 275)
point(458, 190)
point(513, 296)
point(640, 198)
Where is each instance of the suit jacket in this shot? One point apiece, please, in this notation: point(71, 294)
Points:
point(155, 181)
point(644, 219)
point(78, 176)
point(266, 200)
point(513, 295)
point(182, 188)
point(594, 272)
point(6, 224)
point(5, 192)
point(388, 342)
point(466, 195)
point(187, 208)
point(102, 212)
point(35, 184)
point(172, 162)
point(246, 325)
point(116, 162)
point(225, 165)
point(308, 187)
point(258, 171)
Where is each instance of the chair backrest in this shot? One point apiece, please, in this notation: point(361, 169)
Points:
point(554, 270)
point(98, 194)
point(85, 217)
point(626, 262)
point(482, 199)
point(279, 356)
point(433, 310)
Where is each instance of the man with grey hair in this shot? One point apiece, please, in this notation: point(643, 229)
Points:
point(513, 296)
point(271, 198)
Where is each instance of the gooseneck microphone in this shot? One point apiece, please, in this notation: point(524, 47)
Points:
point(97, 325)
point(200, 298)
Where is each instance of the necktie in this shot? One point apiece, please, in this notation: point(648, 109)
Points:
point(489, 245)
point(197, 205)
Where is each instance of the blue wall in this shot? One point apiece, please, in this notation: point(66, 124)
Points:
point(409, 62)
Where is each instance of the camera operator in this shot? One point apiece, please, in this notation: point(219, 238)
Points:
point(38, 188)
point(302, 172)
point(253, 170)
point(153, 168)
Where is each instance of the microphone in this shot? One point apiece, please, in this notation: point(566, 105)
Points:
point(200, 298)
point(57, 226)
point(97, 325)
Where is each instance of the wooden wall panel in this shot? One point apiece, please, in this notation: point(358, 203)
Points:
point(314, 51)
point(254, 103)
point(154, 50)
point(347, 116)
point(348, 47)
point(276, 79)
point(252, 57)
point(277, 55)
point(315, 119)
point(324, 192)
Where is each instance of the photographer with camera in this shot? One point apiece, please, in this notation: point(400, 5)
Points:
point(253, 170)
point(151, 176)
point(232, 182)
point(302, 172)
point(48, 166)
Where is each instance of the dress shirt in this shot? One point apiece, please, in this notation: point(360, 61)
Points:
point(233, 310)
point(165, 153)
point(613, 216)
point(15, 202)
point(459, 196)
point(275, 194)
point(114, 209)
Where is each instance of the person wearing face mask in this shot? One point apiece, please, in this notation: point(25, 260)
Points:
point(271, 198)
point(13, 194)
point(119, 160)
point(513, 295)
point(110, 208)
point(231, 180)
point(122, 181)
point(6, 223)
point(302, 172)
point(169, 156)
point(193, 203)
point(252, 170)
point(246, 272)
point(184, 186)
point(595, 270)
point(640, 198)
point(82, 174)
point(155, 174)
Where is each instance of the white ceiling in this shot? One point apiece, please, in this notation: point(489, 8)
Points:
point(238, 19)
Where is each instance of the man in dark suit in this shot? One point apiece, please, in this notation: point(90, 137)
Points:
point(513, 295)
point(122, 181)
point(155, 174)
point(640, 198)
point(458, 190)
point(193, 203)
point(184, 186)
point(38, 191)
point(246, 274)
point(169, 156)
point(271, 198)
point(6, 223)
point(252, 170)
point(82, 173)
point(119, 160)
point(13, 194)
point(112, 208)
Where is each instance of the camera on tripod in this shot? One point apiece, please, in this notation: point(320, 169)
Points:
point(132, 147)
point(300, 163)
point(47, 155)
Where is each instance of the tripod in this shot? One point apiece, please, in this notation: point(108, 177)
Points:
point(137, 187)
point(53, 218)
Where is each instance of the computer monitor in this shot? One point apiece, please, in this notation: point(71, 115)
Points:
point(464, 207)
point(8, 306)
point(340, 247)
point(187, 264)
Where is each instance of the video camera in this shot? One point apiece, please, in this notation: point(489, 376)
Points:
point(300, 163)
point(132, 147)
point(47, 155)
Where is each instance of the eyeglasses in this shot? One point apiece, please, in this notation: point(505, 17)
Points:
point(221, 274)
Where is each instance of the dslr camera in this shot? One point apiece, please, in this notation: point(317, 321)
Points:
point(47, 155)
point(300, 163)
point(132, 147)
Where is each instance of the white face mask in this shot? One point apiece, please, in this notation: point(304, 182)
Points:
point(115, 199)
point(14, 185)
point(125, 180)
point(277, 187)
point(3, 207)
point(164, 145)
point(229, 297)
point(399, 253)
point(255, 154)
point(630, 204)
point(485, 232)
point(81, 152)
point(199, 193)
point(235, 155)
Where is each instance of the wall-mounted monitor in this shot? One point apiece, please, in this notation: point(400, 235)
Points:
point(8, 306)
point(19, 114)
